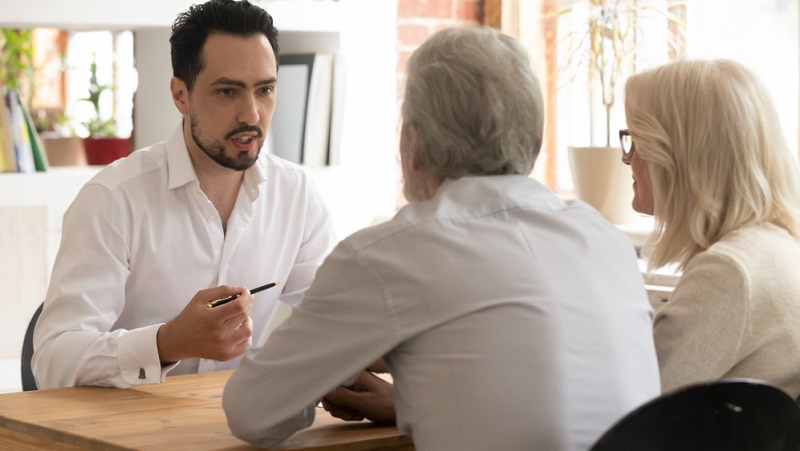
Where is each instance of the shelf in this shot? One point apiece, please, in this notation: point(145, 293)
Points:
point(57, 186)
point(294, 15)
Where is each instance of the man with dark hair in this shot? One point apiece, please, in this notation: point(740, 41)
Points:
point(206, 210)
point(192, 27)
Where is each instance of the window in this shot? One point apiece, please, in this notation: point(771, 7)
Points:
point(62, 67)
point(762, 34)
point(113, 52)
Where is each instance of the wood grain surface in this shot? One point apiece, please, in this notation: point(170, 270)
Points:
point(185, 412)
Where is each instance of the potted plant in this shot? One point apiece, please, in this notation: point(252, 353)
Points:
point(17, 71)
point(101, 146)
point(62, 145)
point(16, 58)
point(601, 46)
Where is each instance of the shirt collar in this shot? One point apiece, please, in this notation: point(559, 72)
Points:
point(256, 175)
point(179, 164)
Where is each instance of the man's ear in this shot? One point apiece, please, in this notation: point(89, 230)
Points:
point(180, 95)
point(411, 147)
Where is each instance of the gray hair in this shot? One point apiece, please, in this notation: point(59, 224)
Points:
point(474, 103)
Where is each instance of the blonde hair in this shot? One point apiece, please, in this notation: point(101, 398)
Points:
point(716, 155)
point(474, 103)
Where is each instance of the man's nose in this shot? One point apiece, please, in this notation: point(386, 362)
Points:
point(248, 111)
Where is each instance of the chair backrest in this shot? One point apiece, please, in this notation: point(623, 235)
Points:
point(28, 381)
point(733, 414)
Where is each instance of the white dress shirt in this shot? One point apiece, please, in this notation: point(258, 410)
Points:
point(509, 319)
point(141, 239)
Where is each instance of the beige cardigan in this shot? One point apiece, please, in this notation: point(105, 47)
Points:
point(735, 313)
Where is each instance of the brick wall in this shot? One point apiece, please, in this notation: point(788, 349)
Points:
point(418, 19)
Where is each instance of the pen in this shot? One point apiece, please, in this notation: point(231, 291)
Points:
point(255, 290)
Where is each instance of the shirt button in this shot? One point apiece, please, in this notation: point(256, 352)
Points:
point(210, 219)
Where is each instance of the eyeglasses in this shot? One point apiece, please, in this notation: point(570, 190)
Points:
point(626, 144)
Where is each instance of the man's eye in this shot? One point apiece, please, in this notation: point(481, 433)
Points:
point(226, 92)
point(266, 90)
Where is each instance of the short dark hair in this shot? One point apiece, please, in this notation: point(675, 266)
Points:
point(192, 27)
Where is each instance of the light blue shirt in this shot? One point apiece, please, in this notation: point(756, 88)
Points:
point(509, 319)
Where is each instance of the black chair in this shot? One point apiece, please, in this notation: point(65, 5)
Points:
point(28, 381)
point(733, 414)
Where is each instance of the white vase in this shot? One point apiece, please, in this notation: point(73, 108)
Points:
point(603, 181)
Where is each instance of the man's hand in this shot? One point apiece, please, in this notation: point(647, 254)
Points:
point(370, 397)
point(378, 366)
point(219, 333)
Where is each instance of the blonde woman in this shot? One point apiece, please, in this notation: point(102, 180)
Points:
point(710, 164)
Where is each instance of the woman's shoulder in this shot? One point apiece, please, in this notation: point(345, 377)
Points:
point(756, 243)
point(760, 254)
point(748, 262)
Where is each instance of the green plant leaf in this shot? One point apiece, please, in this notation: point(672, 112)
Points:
point(97, 127)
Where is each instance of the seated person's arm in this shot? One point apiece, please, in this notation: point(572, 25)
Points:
point(78, 340)
point(341, 326)
point(219, 333)
point(696, 333)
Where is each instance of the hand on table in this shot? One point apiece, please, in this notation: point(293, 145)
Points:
point(220, 333)
point(378, 366)
point(369, 397)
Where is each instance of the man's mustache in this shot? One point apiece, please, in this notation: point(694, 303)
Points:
point(246, 128)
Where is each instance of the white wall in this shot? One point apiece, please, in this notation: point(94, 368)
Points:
point(362, 187)
point(154, 115)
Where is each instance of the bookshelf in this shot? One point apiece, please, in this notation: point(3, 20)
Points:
point(361, 188)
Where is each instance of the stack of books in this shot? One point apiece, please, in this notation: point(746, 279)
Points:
point(21, 149)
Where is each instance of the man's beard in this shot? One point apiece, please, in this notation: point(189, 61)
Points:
point(216, 150)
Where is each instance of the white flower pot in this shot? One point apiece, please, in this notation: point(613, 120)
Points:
point(603, 181)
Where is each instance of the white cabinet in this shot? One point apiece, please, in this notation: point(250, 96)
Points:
point(31, 209)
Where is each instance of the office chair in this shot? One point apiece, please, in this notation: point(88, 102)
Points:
point(733, 414)
point(28, 381)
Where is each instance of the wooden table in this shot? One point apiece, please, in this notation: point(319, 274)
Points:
point(183, 413)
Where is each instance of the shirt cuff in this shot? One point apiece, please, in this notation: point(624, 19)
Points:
point(137, 353)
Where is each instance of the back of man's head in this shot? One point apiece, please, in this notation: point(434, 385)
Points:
point(474, 104)
point(192, 27)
